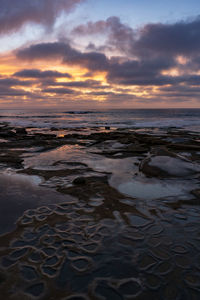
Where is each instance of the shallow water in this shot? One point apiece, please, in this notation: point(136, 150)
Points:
point(124, 236)
point(127, 118)
point(48, 158)
point(124, 175)
point(19, 193)
point(155, 189)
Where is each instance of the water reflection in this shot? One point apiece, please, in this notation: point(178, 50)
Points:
point(20, 192)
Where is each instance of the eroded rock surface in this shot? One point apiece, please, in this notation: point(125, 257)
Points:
point(122, 223)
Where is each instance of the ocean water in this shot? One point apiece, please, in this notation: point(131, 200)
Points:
point(130, 118)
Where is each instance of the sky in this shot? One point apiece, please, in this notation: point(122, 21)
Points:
point(99, 54)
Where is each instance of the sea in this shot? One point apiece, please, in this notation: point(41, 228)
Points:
point(188, 119)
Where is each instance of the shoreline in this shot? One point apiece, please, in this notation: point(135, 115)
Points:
point(129, 201)
point(132, 119)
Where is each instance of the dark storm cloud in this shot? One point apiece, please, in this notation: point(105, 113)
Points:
point(189, 79)
point(80, 84)
point(181, 38)
point(195, 63)
point(6, 91)
point(12, 87)
point(58, 91)
point(35, 73)
point(146, 53)
point(181, 91)
point(177, 95)
point(15, 13)
point(44, 51)
point(9, 82)
point(132, 72)
point(90, 60)
point(112, 96)
point(93, 60)
point(101, 93)
point(145, 72)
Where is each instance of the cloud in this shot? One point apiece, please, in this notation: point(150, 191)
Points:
point(131, 72)
point(149, 51)
point(15, 13)
point(140, 72)
point(94, 61)
point(120, 70)
point(63, 51)
point(181, 38)
point(7, 91)
point(120, 36)
point(43, 51)
point(35, 73)
point(94, 84)
point(102, 93)
point(10, 82)
point(152, 62)
point(58, 91)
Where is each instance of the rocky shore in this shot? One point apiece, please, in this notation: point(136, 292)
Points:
point(99, 214)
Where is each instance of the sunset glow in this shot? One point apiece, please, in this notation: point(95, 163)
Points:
point(103, 61)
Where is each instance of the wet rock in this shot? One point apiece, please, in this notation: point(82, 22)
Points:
point(164, 268)
point(155, 230)
point(135, 236)
point(103, 290)
point(76, 297)
point(6, 262)
point(192, 279)
point(151, 171)
point(49, 251)
point(36, 289)
point(79, 180)
point(154, 241)
point(146, 262)
point(152, 281)
point(171, 292)
point(183, 261)
point(196, 193)
point(21, 131)
point(160, 253)
point(52, 261)
point(35, 257)
point(19, 253)
point(167, 164)
point(90, 247)
point(54, 129)
point(75, 250)
point(191, 227)
point(7, 134)
point(130, 288)
point(185, 147)
point(28, 272)
point(49, 271)
point(11, 159)
point(180, 249)
point(2, 277)
point(137, 221)
point(82, 264)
